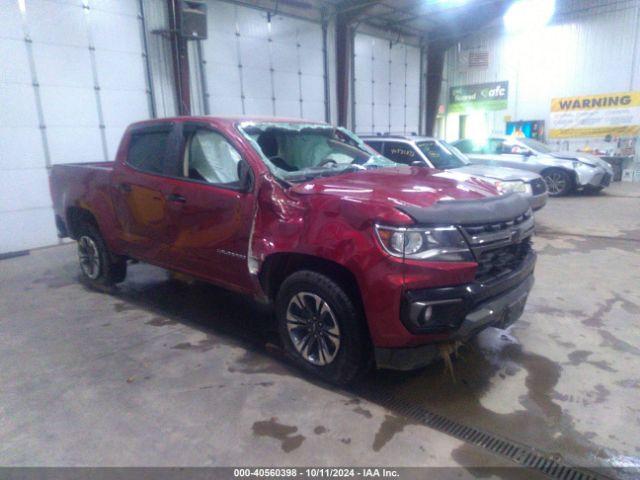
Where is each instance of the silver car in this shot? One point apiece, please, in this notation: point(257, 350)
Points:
point(435, 153)
point(564, 172)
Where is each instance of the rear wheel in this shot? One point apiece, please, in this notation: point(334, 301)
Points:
point(98, 266)
point(321, 328)
point(559, 182)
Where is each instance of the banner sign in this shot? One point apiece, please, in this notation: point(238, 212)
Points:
point(483, 96)
point(615, 114)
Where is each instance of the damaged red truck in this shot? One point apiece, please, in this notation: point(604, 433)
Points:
point(366, 262)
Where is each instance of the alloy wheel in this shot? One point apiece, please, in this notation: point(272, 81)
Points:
point(89, 257)
point(556, 183)
point(313, 328)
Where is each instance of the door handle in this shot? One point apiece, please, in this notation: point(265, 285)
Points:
point(124, 187)
point(175, 197)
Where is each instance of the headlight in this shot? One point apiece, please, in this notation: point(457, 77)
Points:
point(516, 186)
point(438, 244)
point(582, 163)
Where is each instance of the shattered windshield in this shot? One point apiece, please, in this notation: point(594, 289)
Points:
point(297, 152)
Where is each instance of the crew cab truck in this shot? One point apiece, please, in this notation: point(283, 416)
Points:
point(365, 261)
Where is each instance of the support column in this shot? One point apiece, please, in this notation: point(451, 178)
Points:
point(344, 56)
point(435, 68)
point(180, 57)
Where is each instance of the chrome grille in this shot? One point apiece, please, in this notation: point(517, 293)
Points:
point(497, 262)
point(500, 247)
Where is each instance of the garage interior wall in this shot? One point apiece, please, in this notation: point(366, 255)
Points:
point(590, 47)
point(386, 84)
point(72, 77)
point(256, 63)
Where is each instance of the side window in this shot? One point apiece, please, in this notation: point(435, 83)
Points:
point(147, 151)
point(496, 146)
point(400, 153)
point(465, 146)
point(377, 146)
point(210, 158)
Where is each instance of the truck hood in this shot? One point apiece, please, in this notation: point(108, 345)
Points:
point(399, 187)
point(504, 174)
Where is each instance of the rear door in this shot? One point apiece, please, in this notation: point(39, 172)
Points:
point(140, 194)
point(213, 221)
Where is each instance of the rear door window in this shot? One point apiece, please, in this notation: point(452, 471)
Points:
point(377, 146)
point(401, 153)
point(148, 150)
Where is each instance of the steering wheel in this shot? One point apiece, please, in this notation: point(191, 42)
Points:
point(279, 162)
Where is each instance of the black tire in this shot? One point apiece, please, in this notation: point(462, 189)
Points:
point(559, 182)
point(107, 269)
point(350, 358)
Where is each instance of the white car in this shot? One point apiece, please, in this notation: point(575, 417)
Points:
point(564, 172)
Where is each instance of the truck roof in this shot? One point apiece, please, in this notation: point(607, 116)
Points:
point(393, 138)
point(225, 120)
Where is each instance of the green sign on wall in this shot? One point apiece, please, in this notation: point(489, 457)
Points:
point(483, 96)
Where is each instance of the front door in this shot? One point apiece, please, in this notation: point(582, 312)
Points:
point(214, 219)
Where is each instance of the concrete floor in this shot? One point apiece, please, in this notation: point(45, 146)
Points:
point(158, 373)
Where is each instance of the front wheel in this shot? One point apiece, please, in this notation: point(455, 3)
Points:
point(98, 266)
point(321, 327)
point(559, 182)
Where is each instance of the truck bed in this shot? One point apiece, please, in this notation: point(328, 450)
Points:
point(83, 185)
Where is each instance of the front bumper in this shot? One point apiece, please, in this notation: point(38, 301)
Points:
point(593, 176)
point(538, 201)
point(476, 306)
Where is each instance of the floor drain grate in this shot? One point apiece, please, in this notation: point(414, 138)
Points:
point(518, 453)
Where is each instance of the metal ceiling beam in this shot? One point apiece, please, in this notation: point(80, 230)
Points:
point(440, 12)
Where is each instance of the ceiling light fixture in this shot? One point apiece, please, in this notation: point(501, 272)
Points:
point(528, 14)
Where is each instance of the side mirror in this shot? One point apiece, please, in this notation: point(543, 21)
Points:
point(245, 176)
point(417, 163)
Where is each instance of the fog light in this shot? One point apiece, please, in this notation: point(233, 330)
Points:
point(426, 314)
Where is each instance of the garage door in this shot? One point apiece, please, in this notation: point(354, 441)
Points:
point(387, 86)
point(72, 76)
point(260, 64)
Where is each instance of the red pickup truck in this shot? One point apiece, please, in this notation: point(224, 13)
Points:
point(366, 262)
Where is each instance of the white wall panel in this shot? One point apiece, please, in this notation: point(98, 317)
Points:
point(117, 32)
point(24, 189)
point(90, 81)
point(120, 71)
point(69, 143)
point(257, 67)
point(57, 23)
point(18, 106)
point(25, 229)
point(20, 147)
point(16, 67)
point(387, 86)
point(10, 21)
point(63, 66)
